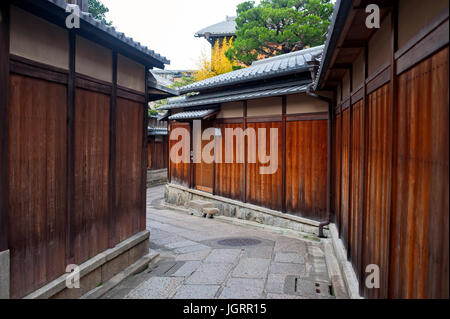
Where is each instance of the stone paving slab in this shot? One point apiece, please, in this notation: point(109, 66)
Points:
point(288, 269)
point(259, 252)
point(196, 255)
point(210, 274)
point(187, 269)
point(275, 283)
point(292, 258)
point(243, 288)
point(197, 292)
point(156, 288)
point(252, 268)
point(223, 256)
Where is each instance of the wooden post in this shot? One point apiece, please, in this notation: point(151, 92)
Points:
point(4, 127)
point(144, 155)
point(283, 151)
point(340, 165)
point(112, 153)
point(393, 93)
point(364, 170)
point(245, 153)
point(350, 164)
point(71, 87)
point(214, 161)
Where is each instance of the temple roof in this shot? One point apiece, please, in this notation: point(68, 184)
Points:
point(224, 28)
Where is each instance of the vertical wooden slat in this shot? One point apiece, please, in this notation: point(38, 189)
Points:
point(350, 170)
point(364, 170)
point(393, 96)
point(4, 94)
point(283, 150)
point(112, 154)
point(71, 148)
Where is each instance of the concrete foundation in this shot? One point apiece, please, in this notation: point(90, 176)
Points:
point(4, 274)
point(98, 269)
point(176, 195)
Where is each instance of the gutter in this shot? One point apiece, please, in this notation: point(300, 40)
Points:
point(330, 114)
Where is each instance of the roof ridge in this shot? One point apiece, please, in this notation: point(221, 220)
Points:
point(288, 55)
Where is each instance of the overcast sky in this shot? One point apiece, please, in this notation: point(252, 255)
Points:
point(168, 26)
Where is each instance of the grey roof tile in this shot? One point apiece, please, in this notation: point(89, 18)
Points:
point(285, 64)
point(192, 115)
point(236, 95)
point(227, 27)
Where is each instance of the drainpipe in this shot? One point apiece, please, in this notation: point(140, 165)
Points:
point(330, 114)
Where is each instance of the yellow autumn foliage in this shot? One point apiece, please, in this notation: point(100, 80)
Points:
point(218, 64)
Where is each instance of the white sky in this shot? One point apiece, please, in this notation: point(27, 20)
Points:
point(168, 26)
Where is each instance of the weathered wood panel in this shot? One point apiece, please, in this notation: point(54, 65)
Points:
point(420, 238)
point(37, 183)
point(306, 169)
point(158, 153)
point(345, 177)
point(377, 188)
point(129, 139)
point(229, 176)
point(91, 211)
point(357, 145)
point(203, 175)
point(265, 189)
point(179, 172)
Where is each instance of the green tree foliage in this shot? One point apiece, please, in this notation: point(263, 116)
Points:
point(279, 26)
point(99, 10)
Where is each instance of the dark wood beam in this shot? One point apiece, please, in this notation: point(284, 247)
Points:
point(4, 115)
point(341, 66)
point(113, 236)
point(71, 87)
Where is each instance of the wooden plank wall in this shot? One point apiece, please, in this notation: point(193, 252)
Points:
point(420, 242)
point(306, 169)
point(229, 177)
point(179, 173)
point(265, 190)
point(158, 156)
point(128, 175)
point(91, 174)
point(62, 209)
point(203, 176)
point(401, 222)
point(36, 182)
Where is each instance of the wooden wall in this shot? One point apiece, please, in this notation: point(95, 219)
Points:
point(390, 190)
point(37, 182)
point(158, 153)
point(179, 173)
point(304, 169)
point(65, 202)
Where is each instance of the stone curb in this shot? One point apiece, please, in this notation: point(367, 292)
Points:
point(59, 284)
point(135, 268)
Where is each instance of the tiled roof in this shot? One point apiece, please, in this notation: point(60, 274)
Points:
point(152, 131)
point(227, 27)
point(87, 17)
point(236, 95)
point(285, 64)
point(340, 13)
point(192, 115)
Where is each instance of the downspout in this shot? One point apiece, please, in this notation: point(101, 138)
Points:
point(330, 114)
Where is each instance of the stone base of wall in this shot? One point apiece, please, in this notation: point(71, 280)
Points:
point(156, 177)
point(4, 274)
point(177, 195)
point(98, 269)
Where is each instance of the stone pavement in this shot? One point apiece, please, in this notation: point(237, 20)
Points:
point(209, 258)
